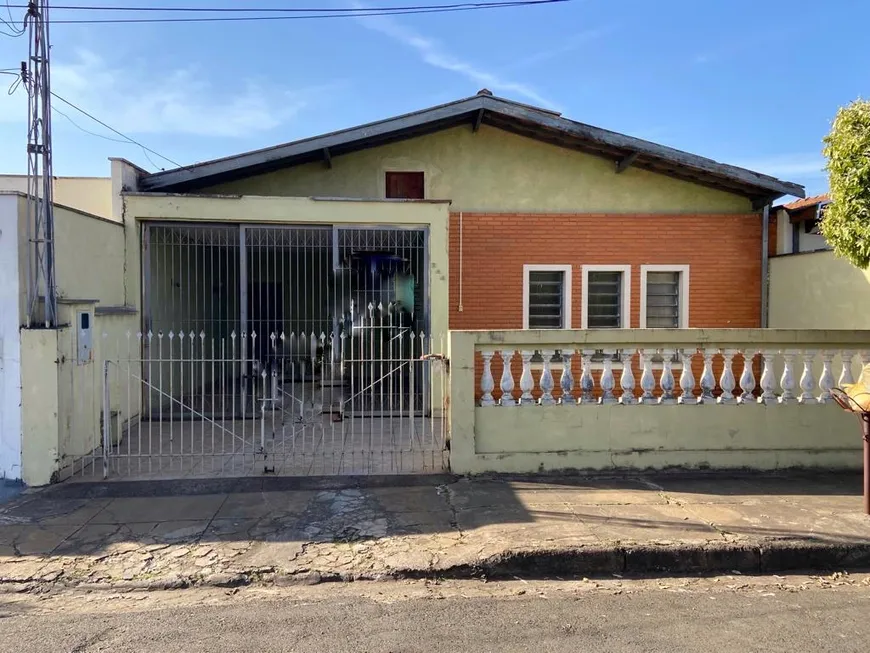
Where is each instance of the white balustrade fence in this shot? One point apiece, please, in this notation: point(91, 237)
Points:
point(667, 376)
point(524, 401)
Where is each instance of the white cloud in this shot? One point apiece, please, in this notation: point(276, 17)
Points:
point(569, 45)
point(433, 53)
point(136, 100)
point(788, 165)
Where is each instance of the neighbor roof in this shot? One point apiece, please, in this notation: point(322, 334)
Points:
point(797, 205)
point(483, 108)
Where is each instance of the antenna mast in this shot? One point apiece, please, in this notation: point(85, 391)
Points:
point(40, 209)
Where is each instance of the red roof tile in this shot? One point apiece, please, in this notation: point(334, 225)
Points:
point(809, 201)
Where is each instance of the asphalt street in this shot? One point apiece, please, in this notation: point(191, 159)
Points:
point(721, 615)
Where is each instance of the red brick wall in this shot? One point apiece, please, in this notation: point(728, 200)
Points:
point(723, 252)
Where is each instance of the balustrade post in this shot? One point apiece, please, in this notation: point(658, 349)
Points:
point(546, 382)
point(768, 382)
point(786, 381)
point(726, 379)
point(666, 379)
point(566, 382)
point(647, 380)
point(826, 380)
point(747, 378)
point(587, 383)
point(527, 381)
point(507, 379)
point(487, 383)
point(608, 381)
point(808, 381)
point(687, 379)
point(846, 377)
point(708, 381)
point(626, 379)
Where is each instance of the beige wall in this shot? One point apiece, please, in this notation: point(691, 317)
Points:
point(494, 170)
point(39, 405)
point(88, 194)
point(537, 438)
point(89, 257)
point(818, 291)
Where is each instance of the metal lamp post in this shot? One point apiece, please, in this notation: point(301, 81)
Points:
point(848, 403)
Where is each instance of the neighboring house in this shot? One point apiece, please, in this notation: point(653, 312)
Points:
point(797, 225)
point(283, 285)
point(810, 287)
point(88, 194)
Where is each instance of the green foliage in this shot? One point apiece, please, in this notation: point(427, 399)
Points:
point(846, 223)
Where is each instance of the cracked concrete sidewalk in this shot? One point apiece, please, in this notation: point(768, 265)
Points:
point(531, 527)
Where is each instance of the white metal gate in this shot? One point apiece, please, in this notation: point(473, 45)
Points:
point(295, 350)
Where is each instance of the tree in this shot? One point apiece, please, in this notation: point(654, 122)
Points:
point(846, 222)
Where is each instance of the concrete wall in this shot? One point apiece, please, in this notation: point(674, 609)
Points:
point(784, 236)
point(89, 194)
point(39, 406)
point(494, 170)
point(10, 348)
point(89, 257)
point(537, 438)
point(818, 291)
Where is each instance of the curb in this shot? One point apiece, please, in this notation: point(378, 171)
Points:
point(588, 562)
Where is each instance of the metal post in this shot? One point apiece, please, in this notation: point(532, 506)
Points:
point(106, 420)
point(865, 424)
point(765, 264)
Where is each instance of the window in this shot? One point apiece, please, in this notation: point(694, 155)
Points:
point(404, 185)
point(606, 296)
point(547, 297)
point(664, 296)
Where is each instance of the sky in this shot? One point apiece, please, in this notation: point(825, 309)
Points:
point(753, 83)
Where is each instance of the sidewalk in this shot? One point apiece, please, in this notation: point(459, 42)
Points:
point(250, 532)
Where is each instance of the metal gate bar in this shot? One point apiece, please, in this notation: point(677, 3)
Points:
point(287, 349)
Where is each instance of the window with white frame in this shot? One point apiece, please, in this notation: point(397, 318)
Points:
point(546, 296)
point(606, 296)
point(606, 301)
point(664, 301)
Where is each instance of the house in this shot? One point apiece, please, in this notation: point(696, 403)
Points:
point(797, 225)
point(297, 305)
point(810, 287)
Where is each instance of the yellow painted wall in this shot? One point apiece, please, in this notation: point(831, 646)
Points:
point(535, 438)
point(494, 170)
point(818, 291)
point(88, 194)
point(39, 405)
point(90, 257)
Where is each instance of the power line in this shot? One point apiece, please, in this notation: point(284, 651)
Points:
point(124, 138)
point(279, 10)
point(115, 131)
point(354, 13)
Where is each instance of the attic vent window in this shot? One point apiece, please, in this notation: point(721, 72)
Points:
point(404, 186)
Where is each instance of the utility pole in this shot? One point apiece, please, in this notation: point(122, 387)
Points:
point(36, 74)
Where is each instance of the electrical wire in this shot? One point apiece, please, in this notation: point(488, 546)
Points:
point(279, 10)
point(354, 13)
point(115, 131)
point(16, 31)
point(124, 138)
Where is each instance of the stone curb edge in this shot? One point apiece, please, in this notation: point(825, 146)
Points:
point(761, 558)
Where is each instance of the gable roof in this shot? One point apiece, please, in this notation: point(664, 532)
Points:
point(483, 108)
